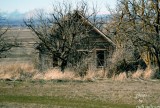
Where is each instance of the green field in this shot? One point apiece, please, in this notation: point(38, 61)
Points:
point(46, 101)
point(78, 94)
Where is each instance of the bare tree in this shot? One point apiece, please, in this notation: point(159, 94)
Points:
point(137, 22)
point(63, 31)
point(5, 43)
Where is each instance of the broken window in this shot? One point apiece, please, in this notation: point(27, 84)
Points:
point(100, 58)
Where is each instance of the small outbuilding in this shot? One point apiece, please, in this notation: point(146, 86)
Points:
point(99, 49)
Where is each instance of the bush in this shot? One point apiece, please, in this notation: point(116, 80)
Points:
point(121, 62)
point(21, 71)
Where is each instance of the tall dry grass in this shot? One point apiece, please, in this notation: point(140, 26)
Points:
point(55, 74)
point(25, 71)
point(117, 74)
point(120, 77)
point(69, 75)
point(148, 73)
point(16, 70)
point(138, 74)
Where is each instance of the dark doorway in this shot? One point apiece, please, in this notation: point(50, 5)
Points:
point(100, 58)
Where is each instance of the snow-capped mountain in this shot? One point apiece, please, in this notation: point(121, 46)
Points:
point(15, 18)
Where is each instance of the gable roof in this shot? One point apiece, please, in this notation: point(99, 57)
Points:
point(95, 28)
point(85, 21)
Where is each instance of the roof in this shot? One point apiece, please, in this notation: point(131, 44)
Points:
point(95, 28)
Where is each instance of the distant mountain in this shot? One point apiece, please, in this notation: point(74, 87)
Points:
point(16, 18)
point(15, 15)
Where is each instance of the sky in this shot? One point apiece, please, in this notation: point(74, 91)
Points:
point(23, 6)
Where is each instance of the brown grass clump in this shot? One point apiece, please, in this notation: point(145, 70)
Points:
point(93, 75)
point(55, 74)
point(120, 77)
point(16, 70)
point(90, 76)
point(138, 74)
point(25, 71)
point(149, 73)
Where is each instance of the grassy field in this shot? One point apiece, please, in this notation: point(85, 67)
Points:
point(65, 91)
point(77, 94)
point(26, 51)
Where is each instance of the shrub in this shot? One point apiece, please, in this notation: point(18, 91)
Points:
point(121, 62)
point(17, 70)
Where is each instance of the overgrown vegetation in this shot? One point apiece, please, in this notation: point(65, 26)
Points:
point(64, 37)
point(73, 81)
point(63, 32)
point(134, 26)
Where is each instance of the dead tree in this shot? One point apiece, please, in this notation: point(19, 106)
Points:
point(61, 32)
point(135, 24)
point(5, 43)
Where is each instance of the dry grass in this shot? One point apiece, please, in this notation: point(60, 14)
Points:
point(137, 74)
point(69, 75)
point(55, 74)
point(27, 71)
point(16, 70)
point(120, 77)
point(148, 73)
point(91, 76)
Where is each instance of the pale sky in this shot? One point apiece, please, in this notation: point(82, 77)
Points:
point(28, 5)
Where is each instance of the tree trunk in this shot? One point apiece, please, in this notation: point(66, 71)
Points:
point(63, 65)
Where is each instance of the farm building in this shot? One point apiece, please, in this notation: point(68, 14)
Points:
point(87, 43)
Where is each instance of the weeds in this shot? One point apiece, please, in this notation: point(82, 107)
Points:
point(21, 71)
point(120, 77)
point(26, 71)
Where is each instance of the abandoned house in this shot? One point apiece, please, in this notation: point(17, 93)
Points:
point(89, 43)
